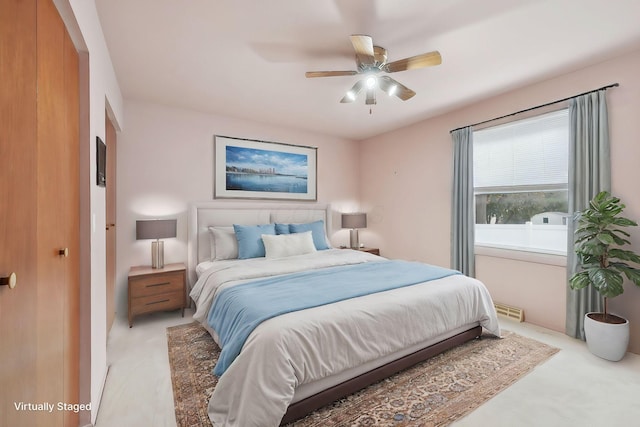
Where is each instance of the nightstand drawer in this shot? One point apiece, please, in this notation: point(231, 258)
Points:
point(166, 301)
point(156, 289)
point(156, 284)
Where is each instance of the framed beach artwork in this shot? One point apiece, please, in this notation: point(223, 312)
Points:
point(252, 169)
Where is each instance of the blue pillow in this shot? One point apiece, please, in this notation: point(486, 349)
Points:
point(317, 232)
point(282, 228)
point(249, 238)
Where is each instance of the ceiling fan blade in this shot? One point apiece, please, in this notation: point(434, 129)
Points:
point(392, 87)
point(353, 92)
point(363, 45)
point(310, 74)
point(418, 61)
point(371, 96)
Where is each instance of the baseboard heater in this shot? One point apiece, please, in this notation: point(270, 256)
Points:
point(510, 312)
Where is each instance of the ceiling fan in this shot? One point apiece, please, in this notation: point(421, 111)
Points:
point(372, 60)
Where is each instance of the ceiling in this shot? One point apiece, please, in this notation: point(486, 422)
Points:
point(247, 58)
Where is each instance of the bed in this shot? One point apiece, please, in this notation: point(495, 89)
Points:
point(298, 361)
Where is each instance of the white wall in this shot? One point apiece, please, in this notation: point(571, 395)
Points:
point(83, 23)
point(165, 162)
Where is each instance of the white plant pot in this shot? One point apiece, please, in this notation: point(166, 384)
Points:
point(606, 340)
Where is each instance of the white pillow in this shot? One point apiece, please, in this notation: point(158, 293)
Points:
point(285, 245)
point(224, 244)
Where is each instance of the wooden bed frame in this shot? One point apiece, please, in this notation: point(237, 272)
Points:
point(205, 214)
point(304, 407)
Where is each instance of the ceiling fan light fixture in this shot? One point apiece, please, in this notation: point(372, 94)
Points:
point(370, 62)
point(371, 81)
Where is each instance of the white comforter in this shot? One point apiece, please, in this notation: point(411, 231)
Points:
point(298, 348)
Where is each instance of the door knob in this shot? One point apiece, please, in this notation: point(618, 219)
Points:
point(64, 252)
point(9, 281)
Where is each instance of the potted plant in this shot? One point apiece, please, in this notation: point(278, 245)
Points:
point(603, 263)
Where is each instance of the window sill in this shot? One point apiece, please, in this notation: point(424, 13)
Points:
point(523, 254)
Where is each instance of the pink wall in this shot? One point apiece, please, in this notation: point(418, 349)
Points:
point(532, 283)
point(406, 186)
point(165, 162)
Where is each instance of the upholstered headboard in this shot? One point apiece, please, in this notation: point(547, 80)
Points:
point(203, 215)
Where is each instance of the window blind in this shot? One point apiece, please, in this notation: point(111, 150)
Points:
point(529, 152)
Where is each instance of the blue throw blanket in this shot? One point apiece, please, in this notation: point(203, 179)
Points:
point(238, 310)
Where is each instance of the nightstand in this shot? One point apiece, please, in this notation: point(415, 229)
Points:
point(374, 251)
point(156, 289)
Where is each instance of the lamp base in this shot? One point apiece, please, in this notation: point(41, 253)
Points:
point(353, 239)
point(157, 254)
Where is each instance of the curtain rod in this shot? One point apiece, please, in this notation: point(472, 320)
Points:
point(538, 106)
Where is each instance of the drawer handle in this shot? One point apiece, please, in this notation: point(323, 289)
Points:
point(158, 302)
point(159, 284)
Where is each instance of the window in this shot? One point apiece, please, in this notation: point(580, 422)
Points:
point(520, 184)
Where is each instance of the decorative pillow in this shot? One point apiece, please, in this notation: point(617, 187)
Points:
point(249, 238)
point(282, 228)
point(285, 245)
point(224, 244)
point(317, 231)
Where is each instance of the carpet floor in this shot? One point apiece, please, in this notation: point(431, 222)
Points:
point(435, 392)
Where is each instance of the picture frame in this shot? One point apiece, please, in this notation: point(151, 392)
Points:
point(254, 169)
point(101, 162)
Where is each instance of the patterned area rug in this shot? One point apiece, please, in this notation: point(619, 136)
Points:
point(433, 393)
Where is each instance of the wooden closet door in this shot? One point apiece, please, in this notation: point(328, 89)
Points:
point(57, 216)
point(18, 322)
point(50, 216)
point(71, 205)
point(39, 214)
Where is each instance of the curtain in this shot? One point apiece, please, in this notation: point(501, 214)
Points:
point(589, 173)
point(462, 220)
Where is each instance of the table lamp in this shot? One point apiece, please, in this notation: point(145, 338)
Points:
point(156, 229)
point(354, 221)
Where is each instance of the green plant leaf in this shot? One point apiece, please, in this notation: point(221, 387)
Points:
point(617, 230)
point(624, 222)
point(624, 255)
point(605, 238)
point(598, 242)
point(586, 258)
point(593, 247)
point(632, 274)
point(607, 282)
point(620, 241)
point(579, 280)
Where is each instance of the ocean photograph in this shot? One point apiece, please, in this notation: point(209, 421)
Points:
point(251, 169)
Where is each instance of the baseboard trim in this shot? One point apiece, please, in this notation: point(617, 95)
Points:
point(94, 414)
